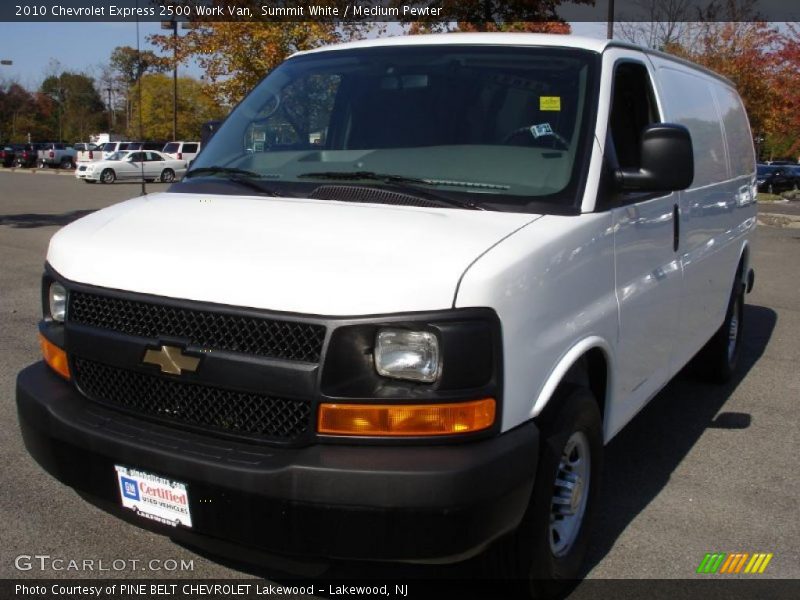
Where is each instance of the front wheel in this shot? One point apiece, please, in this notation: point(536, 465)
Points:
point(108, 176)
point(548, 548)
point(167, 176)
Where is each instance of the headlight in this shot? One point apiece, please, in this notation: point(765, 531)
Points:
point(404, 354)
point(58, 301)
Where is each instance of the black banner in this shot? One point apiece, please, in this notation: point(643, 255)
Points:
point(707, 588)
point(390, 10)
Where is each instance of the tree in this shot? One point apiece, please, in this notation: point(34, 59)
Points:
point(129, 65)
point(195, 107)
point(659, 24)
point(79, 109)
point(237, 55)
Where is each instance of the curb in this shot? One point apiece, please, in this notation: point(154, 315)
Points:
point(778, 220)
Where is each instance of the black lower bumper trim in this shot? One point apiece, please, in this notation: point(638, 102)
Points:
point(350, 502)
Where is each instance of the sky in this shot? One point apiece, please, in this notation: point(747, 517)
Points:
point(84, 47)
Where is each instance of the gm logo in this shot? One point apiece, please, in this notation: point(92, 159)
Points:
point(129, 488)
point(737, 562)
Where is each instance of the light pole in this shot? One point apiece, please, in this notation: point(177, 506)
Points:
point(610, 26)
point(173, 25)
point(110, 110)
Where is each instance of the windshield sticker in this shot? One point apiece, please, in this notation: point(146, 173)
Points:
point(549, 102)
point(540, 130)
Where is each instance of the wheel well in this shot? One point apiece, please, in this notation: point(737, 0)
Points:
point(744, 264)
point(591, 371)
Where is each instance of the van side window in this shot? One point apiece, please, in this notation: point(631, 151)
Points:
point(633, 108)
point(691, 103)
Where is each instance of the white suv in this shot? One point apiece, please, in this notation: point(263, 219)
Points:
point(182, 150)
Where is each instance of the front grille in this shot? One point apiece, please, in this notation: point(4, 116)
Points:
point(289, 340)
point(207, 407)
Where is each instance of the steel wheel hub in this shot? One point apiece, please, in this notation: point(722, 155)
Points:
point(570, 494)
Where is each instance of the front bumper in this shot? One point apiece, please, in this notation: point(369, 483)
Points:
point(86, 175)
point(397, 503)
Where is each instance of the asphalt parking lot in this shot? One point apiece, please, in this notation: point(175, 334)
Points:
point(701, 469)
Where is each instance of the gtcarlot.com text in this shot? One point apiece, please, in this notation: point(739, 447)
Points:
point(46, 562)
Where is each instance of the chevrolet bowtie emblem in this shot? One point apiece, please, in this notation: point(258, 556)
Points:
point(171, 360)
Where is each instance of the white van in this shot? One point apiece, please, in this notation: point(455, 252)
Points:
point(406, 338)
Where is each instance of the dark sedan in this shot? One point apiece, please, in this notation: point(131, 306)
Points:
point(774, 179)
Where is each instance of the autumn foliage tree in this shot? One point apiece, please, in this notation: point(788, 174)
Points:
point(237, 55)
point(195, 107)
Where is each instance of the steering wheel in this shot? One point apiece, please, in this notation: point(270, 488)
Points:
point(551, 135)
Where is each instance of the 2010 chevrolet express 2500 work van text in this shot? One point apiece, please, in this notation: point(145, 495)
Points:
point(401, 300)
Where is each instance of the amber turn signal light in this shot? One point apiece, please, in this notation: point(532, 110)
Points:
point(406, 420)
point(54, 356)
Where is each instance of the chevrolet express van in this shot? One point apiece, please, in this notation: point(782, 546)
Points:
point(400, 302)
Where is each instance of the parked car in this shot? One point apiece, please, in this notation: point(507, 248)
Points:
point(56, 154)
point(182, 150)
point(8, 153)
point(128, 165)
point(27, 156)
point(774, 179)
point(408, 336)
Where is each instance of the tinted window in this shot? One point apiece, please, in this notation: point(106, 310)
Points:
point(190, 148)
point(737, 130)
point(633, 108)
point(171, 148)
point(694, 107)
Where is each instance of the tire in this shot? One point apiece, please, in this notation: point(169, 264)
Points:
point(167, 176)
point(67, 164)
point(542, 559)
point(108, 176)
point(717, 361)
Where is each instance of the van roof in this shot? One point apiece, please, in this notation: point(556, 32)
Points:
point(509, 39)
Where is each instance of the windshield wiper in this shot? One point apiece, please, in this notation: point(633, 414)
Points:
point(371, 175)
point(407, 184)
point(221, 171)
point(241, 176)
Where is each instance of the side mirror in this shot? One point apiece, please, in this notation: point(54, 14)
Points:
point(667, 161)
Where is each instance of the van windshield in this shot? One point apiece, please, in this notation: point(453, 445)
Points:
point(491, 125)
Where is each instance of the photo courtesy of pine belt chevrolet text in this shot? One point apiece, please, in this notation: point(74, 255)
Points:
point(400, 301)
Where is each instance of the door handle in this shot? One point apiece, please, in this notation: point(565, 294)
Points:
point(676, 227)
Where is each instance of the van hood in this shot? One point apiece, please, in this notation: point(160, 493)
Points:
point(285, 254)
